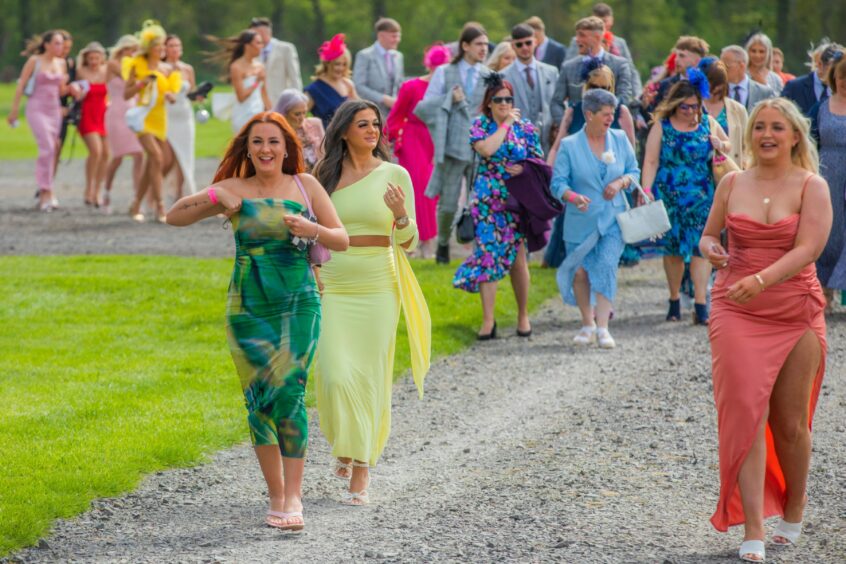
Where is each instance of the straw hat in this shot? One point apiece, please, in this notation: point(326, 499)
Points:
point(93, 47)
point(124, 42)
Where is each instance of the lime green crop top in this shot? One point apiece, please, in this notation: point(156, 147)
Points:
point(361, 205)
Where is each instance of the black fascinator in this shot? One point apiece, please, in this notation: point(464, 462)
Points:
point(493, 80)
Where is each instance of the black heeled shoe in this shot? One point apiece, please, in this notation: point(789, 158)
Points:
point(488, 336)
point(524, 333)
point(675, 310)
point(700, 314)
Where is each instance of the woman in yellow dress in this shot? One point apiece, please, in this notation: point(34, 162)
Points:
point(364, 288)
point(155, 82)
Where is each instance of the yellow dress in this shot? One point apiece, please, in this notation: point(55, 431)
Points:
point(156, 121)
point(365, 287)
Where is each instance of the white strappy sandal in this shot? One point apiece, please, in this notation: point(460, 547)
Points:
point(585, 336)
point(752, 551)
point(340, 468)
point(787, 531)
point(361, 498)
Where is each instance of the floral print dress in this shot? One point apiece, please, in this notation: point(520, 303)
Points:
point(497, 238)
point(686, 185)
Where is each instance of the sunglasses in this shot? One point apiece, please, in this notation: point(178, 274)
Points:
point(519, 44)
point(597, 87)
point(689, 107)
point(503, 99)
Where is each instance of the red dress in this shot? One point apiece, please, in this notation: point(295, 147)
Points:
point(92, 118)
point(749, 345)
point(414, 151)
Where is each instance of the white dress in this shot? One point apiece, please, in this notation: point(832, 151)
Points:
point(243, 111)
point(180, 134)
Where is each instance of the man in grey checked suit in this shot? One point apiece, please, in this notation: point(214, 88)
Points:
point(378, 70)
point(570, 80)
point(448, 108)
point(741, 88)
point(533, 82)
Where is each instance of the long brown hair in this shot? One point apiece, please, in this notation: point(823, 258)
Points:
point(236, 163)
point(230, 49)
point(37, 44)
point(328, 169)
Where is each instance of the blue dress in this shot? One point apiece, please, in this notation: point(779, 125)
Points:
point(497, 238)
point(326, 100)
point(831, 265)
point(685, 183)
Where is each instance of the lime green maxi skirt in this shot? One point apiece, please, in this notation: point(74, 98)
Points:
point(355, 353)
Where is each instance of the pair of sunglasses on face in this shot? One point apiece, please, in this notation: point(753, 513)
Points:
point(689, 107)
point(519, 44)
point(503, 99)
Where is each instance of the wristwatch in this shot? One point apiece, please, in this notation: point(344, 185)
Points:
point(402, 222)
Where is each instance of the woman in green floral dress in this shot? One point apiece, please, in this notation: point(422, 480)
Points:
point(273, 310)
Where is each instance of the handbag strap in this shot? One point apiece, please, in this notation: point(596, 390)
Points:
point(305, 195)
point(646, 199)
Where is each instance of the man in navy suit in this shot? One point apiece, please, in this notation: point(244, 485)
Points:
point(547, 49)
point(811, 88)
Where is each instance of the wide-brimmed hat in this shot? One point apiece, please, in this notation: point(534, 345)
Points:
point(124, 42)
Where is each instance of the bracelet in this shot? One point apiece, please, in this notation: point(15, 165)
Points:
point(760, 281)
point(316, 233)
point(402, 221)
point(571, 196)
point(212, 196)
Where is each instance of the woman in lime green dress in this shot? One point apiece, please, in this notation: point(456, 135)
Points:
point(273, 310)
point(364, 289)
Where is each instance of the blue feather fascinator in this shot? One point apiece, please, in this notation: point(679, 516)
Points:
point(698, 79)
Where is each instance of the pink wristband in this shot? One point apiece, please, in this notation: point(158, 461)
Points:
point(212, 195)
point(572, 196)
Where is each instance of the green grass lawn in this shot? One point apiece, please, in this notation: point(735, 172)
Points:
point(211, 138)
point(115, 367)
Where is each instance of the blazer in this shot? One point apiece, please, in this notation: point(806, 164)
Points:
point(801, 91)
point(623, 48)
point(371, 79)
point(449, 122)
point(569, 87)
point(757, 92)
point(737, 118)
point(576, 168)
point(547, 77)
point(555, 54)
point(282, 69)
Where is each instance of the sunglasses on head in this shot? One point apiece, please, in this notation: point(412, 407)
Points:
point(526, 43)
point(503, 99)
point(598, 87)
point(689, 107)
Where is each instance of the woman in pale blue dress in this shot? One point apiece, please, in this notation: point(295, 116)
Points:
point(591, 170)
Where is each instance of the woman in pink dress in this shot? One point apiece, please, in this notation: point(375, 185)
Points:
point(767, 325)
point(413, 144)
point(44, 79)
point(122, 140)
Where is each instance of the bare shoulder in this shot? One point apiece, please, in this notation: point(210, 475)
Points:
point(236, 186)
point(817, 186)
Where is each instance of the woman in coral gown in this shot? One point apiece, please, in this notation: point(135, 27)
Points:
point(767, 327)
point(413, 144)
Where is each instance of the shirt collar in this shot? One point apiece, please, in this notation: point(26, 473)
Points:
point(381, 50)
point(522, 68)
point(600, 55)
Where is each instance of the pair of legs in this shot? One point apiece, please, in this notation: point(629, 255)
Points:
point(700, 272)
point(450, 175)
point(284, 477)
point(111, 171)
point(172, 163)
point(151, 179)
point(520, 280)
point(95, 166)
point(358, 473)
point(788, 418)
point(602, 312)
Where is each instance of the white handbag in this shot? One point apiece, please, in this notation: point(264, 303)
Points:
point(136, 115)
point(648, 221)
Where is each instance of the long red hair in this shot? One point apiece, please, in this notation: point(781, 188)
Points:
point(236, 163)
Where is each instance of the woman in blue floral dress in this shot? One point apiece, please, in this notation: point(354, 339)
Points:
point(677, 167)
point(502, 140)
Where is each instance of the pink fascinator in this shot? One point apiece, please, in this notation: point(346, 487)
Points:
point(436, 55)
point(332, 49)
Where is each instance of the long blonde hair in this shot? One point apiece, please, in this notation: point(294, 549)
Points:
point(804, 153)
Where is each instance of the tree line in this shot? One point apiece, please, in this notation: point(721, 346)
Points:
point(650, 26)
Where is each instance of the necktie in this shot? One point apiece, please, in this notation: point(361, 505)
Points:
point(737, 94)
point(470, 81)
point(389, 65)
point(824, 95)
point(529, 79)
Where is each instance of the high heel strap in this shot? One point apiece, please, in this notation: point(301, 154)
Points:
point(752, 551)
point(788, 531)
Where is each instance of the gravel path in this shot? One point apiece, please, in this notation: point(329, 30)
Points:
point(521, 451)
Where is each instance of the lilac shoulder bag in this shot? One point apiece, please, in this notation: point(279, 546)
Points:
point(317, 253)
